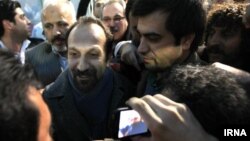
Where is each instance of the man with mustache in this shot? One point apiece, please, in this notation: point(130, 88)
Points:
point(49, 58)
point(84, 96)
point(226, 37)
point(113, 16)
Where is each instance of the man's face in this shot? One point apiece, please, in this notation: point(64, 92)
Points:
point(223, 44)
point(56, 21)
point(22, 28)
point(157, 45)
point(113, 17)
point(45, 118)
point(86, 56)
point(98, 7)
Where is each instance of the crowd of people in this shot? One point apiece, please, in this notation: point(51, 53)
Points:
point(181, 64)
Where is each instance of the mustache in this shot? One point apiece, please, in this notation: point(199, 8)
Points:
point(89, 72)
point(114, 29)
point(58, 37)
point(215, 49)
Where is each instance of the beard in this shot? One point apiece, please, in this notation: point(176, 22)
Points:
point(85, 81)
point(216, 54)
point(58, 42)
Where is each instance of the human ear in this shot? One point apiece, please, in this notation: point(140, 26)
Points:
point(187, 40)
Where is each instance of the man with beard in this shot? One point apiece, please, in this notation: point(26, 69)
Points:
point(226, 37)
point(84, 95)
point(15, 28)
point(49, 58)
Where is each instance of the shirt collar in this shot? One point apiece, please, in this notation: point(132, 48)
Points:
point(25, 44)
point(2, 45)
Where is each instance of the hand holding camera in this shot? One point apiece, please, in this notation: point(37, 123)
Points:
point(128, 123)
point(167, 120)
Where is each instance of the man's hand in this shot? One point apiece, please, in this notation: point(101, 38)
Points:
point(130, 56)
point(168, 120)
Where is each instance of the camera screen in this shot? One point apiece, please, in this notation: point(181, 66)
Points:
point(131, 123)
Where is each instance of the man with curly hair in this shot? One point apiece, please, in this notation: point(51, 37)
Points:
point(226, 37)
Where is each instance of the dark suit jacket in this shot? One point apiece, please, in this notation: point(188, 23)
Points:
point(69, 124)
point(34, 42)
point(46, 64)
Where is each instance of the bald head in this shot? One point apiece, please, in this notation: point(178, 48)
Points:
point(57, 17)
point(64, 10)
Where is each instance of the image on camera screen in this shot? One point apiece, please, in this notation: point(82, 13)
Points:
point(130, 124)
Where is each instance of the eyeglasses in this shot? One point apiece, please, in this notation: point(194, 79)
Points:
point(115, 19)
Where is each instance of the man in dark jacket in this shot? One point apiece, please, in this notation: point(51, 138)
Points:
point(171, 31)
point(83, 97)
point(49, 58)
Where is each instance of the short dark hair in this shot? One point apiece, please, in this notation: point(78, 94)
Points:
point(213, 95)
point(7, 12)
point(184, 17)
point(128, 9)
point(19, 116)
point(84, 20)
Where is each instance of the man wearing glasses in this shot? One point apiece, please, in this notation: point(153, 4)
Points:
point(113, 16)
